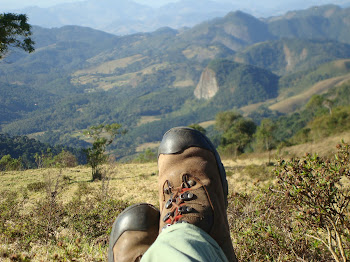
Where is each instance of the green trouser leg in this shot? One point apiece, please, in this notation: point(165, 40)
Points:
point(184, 242)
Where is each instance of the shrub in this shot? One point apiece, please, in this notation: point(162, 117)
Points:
point(314, 188)
point(36, 186)
point(72, 227)
point(263, 230)
point(305, 216)
point(65, 159)
point(147, 156)
point(7, 163)
point(92, 218)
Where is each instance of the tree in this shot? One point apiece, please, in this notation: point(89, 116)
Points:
point(237, 131)
point(198, 128)
point(103, 136)
point(264, 135)
point(224, 120)
point(7, 163)
point(315, 103)
point(15, 32)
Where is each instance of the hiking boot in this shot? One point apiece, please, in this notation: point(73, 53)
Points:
point(133, 232)
point(192, 185)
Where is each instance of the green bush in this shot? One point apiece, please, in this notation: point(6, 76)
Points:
point(305, 216)
point(146, 156)
point(65, 159)
point(263, 230)
point(316, 191)
point(7, 163)
point(36, 186)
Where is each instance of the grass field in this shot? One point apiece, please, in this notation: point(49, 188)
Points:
point(128, 183)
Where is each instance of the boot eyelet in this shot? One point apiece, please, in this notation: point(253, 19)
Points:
point(189, 209)
point(186, 196)
point(169, 203)
point(192, 183)
point(167, 216)
point(181, 209)
point(184, 209)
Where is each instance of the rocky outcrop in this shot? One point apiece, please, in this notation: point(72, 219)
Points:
point(207, 86)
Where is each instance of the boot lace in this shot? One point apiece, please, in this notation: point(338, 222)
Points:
point(177, 201)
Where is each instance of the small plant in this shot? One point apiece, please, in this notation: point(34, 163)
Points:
point(49, 210)
point(314, 189)
point(70, 229)
point(92, 215)
point(103, 136)
point(36, 186)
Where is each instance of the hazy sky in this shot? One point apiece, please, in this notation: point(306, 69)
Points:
point(19, 4)
point(16, 4)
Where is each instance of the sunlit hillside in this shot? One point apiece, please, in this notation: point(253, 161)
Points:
point(69, 205)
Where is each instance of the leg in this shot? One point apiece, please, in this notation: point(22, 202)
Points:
point(192, 185)
point(186, 243)
point(193, 222)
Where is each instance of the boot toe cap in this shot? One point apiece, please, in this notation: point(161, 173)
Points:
point(138, 217)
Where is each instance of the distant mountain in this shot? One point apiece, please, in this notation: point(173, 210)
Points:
point(91, 13)
point(319, 22)
point(235, 31)
point(241, 84)
point(125, 17)
point(292, 55)
point(148, 82)
point(184, 13)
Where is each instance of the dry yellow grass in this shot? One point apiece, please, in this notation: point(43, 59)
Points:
point(110, 66)
point(206, 124)
point(292, 103)
point(144, 146)
point(133, 183)
point(200, 53)
point(153, 68)
point(147, 119)
point(137, 183)
point(184, 83)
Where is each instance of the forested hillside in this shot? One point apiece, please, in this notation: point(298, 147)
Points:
point(80, 77)
point(31, 152)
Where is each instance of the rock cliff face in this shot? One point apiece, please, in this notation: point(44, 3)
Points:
point(207, 86)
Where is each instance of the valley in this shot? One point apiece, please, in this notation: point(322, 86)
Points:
point(272, 94)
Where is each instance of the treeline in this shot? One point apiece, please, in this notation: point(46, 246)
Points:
point(323, 116)
point(23, 152)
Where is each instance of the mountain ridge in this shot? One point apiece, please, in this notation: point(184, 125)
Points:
point(126, 17)
point(94, 77)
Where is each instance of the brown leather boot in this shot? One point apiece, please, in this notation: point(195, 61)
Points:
point(193, 186)
point(133, 232)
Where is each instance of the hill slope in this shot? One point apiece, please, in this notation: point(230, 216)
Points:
point(288, 56)
point(148, 81)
